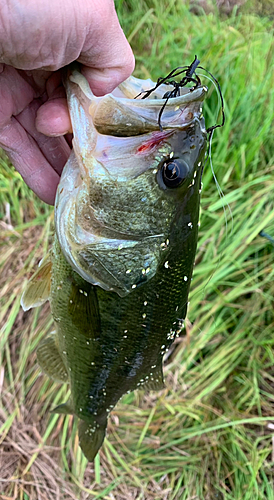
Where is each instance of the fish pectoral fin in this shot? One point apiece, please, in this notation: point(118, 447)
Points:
point(91, 437)
point(50, 360)
point(64, 408)
point(38, 288)
point(83, 308)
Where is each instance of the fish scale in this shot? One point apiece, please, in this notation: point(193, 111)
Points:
point(119, 272)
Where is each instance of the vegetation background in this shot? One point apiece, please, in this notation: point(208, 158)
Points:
point(209, 435)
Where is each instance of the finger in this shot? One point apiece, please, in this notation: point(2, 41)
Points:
point(105, 80)
point(55, 149)
point(53, 118)
point(29, 161)
point(53, 83)
point(107, 56)
point(15, 94)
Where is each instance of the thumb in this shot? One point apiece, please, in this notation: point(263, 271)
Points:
point(107, 57)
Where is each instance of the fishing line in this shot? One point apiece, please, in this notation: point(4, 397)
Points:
point(190, 77)
point(211, 130)
point(221, 195)
point(193, 78)
point(219, 189)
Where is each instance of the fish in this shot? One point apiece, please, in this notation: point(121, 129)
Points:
point(126, 228)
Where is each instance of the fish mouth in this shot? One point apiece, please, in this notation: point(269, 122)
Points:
point(124, 113)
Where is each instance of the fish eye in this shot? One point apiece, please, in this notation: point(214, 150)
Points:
point(174, 172)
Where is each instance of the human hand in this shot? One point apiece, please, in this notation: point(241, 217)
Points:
point(36, 40)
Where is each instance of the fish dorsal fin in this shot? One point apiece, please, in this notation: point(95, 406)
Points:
point(38, 288)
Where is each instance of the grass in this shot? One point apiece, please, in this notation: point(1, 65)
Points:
point(209, 434)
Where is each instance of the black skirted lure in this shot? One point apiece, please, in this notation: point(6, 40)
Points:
point(190, 76)
point(126, 219)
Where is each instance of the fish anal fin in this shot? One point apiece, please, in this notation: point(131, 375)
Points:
point(38, 288)
point(91, 437)
point(155, 382)
point(50, 360)
point(64, 408)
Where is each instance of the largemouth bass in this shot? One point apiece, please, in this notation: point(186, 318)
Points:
point(126, 219)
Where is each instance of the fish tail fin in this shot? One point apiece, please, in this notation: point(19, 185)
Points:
point(91, 437)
